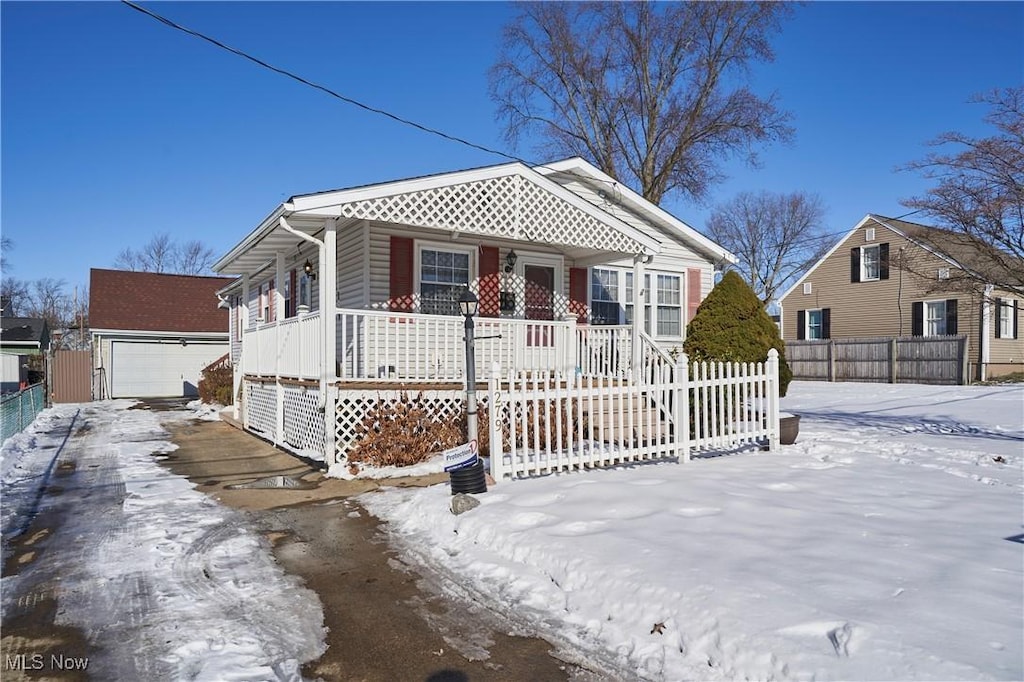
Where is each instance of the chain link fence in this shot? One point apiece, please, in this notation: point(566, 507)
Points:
point(19, 409)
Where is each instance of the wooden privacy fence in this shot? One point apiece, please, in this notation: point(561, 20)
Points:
point(71, 376)
point(542, 422)
point(904, 359)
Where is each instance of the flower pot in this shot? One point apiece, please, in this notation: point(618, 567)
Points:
point(789, 428)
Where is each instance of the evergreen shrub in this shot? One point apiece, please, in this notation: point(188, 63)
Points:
point(731, 325)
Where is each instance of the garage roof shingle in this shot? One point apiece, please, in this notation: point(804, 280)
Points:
point(149, 301)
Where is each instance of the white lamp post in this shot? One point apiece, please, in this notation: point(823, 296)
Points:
point(468, 306)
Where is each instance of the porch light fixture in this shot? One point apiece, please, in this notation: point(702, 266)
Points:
point(510, 260)
point(308, 269)
point(469, 305)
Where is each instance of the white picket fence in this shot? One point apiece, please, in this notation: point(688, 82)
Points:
point(543, 422)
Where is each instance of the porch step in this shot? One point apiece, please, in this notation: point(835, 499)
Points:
point(615, 414)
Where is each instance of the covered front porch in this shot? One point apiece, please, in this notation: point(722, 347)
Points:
point(367, 278)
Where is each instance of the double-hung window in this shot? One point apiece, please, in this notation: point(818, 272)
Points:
point(1006, 318)
point(869, 263)
point(604, 296)
point(814, 328)
point(935, 318)
point(444, 276)
point(669, 302)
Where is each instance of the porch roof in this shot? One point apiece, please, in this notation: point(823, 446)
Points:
point(509, 202)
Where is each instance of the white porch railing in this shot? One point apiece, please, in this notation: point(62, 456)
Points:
point(395, 347)
point(288, 348)
point(547, 423)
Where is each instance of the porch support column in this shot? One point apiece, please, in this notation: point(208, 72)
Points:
point(639, 261)
point(278, 314)
point(328, 311)
point(243, 325)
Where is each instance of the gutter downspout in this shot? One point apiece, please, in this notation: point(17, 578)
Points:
point(984, 347)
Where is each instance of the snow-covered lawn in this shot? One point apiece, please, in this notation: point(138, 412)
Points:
point(164, 582)
point(884, 545)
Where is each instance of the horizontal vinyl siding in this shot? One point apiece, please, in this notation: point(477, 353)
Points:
point(351, 258)
point(873, 309)
point(1007, 351)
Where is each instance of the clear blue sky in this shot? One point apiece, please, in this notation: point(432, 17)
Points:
point(115, 127)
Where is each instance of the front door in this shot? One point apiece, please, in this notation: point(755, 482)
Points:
point(539, 299)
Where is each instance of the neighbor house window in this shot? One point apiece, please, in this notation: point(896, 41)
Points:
point(814, 330)
point(604, 296)
point(444, 275)
point(935, 318)
point(1006, 318)
point(813, 324)
point(869, 263)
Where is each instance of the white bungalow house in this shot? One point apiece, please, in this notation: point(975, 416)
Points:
point(349, 296)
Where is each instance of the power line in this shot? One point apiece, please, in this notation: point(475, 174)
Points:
point(317, 86)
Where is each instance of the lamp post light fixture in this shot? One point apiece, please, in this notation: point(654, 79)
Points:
point(469, 304)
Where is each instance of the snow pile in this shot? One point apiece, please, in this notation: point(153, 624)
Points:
point(207, 412)
point(26, 459)
point(880, 546)
point(434, 465)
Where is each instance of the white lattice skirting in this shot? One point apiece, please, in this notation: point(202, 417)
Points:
point(261, 409)
point(303, 418)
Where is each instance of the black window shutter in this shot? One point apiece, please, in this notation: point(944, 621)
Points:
point(1015, 315)
point(951, 316)
point(826, 323)
point(801, 324)
point(883, 261)
point(917, 318)
point(1000, 311)
point(855, 264)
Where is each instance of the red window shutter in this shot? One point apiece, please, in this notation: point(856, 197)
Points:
point(578, 294)
point(401, 294)
point(488, 282)
point(693, 297)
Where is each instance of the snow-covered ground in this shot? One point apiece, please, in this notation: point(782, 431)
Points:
point(885, 544)
point(163, 581)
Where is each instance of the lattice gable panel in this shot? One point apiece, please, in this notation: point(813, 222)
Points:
point(509, 206)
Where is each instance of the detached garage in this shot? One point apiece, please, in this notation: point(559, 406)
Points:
point(154, 333)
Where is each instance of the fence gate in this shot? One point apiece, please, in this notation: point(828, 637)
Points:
point(71, 376)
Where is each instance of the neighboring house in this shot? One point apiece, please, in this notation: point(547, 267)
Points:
point(552, 252)
point(153, 333)
point(890, 277)
point(24, 335)
point(20, 338)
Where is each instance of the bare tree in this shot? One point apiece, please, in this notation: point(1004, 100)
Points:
point(979, 192)
point(15, 296)
point(194, 258)
point(162, 254)
point(648, 92)
point(5, 246)
point(776, 237)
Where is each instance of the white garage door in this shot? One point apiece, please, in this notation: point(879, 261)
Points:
point(158, 370)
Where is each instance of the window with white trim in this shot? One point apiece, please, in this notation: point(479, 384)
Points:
point(604, 296)
point(669, 304)
point(935, 318)
point(264, 310)
point(443, 277)
point(1006, 316)
point(305, 291)
point(869, 263)
point(815, 328)
point(288, 312)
